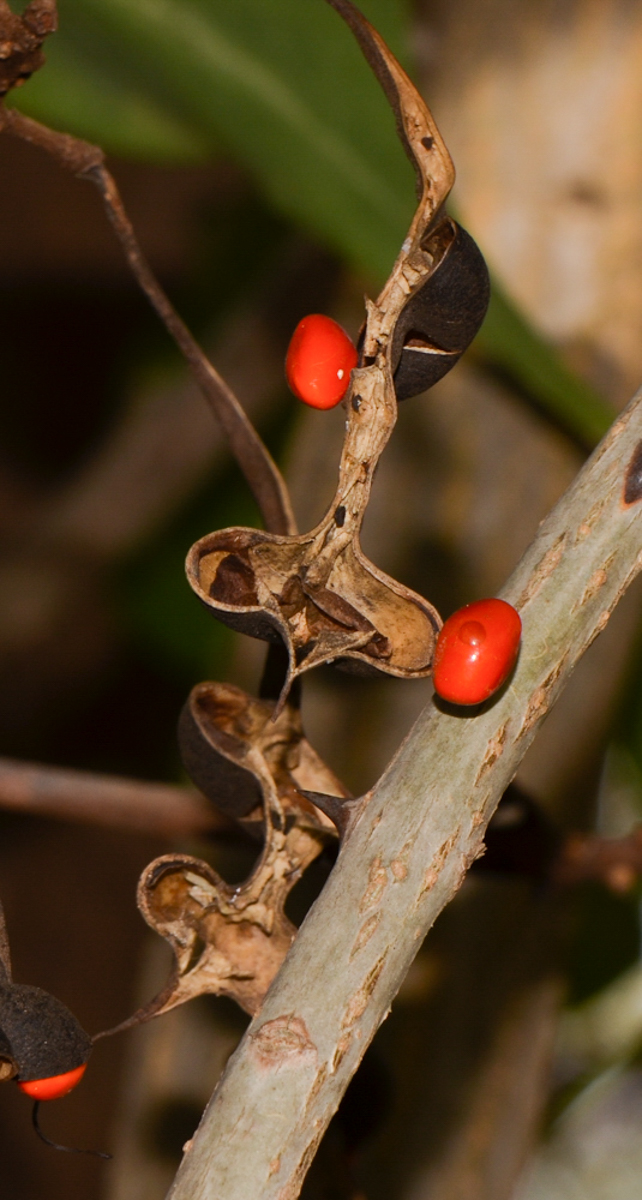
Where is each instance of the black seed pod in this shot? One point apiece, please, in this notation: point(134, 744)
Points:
point(42, 1036)
point(442, 317)
point(215, 768)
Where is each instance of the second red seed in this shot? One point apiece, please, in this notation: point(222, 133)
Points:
point(476, 651)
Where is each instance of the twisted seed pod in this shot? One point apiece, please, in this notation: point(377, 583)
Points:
point(230, 940)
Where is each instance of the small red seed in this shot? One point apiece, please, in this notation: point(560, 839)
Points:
point(476, 651)
point(319, 361)
point(54, 1087)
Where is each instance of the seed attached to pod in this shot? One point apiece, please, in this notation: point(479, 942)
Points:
point(55, 1086)
point(319, 361)
point(476, 651)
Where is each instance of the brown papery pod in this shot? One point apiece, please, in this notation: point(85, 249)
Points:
point(317, 592)
point(228, 940)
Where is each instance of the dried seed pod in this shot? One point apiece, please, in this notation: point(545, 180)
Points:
point(40, 1039)
point(318, 593)
point(442, 316)
point(236, 754)
point(44, 1037)
point(232, 940)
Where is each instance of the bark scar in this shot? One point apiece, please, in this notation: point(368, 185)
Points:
point(431, 875)
point(359, 1001)
point(365, 933)
point(494, 752)
point(546, 566)
point(595, 583)
point(540, 700)
point(283, 1042)
point(376, 886)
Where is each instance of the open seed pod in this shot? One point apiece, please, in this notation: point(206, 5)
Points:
point(228, 740)
point(317, 592)
point(228, 940)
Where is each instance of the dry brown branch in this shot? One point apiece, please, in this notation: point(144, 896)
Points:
point(260, 470)
point(615, 862)
point(406, 854)
point(130, 804)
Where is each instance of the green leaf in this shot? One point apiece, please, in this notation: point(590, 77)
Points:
point(89, 98)
point(282, 85)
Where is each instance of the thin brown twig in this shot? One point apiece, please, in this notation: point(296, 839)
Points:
point(157, 809)
point(260, 470)
point(615, 862)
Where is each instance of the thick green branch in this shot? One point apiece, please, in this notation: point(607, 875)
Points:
point(407, 854)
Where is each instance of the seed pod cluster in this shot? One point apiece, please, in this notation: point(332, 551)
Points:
point(232, 940)
point(317, 593)
point(314, 597)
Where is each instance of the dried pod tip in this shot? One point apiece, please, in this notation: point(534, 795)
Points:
point(319, 361)
point(476, 651)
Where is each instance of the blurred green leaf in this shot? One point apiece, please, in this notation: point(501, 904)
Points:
point(158, 611)
point(284, 88)
point(89, 98)
point(282, 85)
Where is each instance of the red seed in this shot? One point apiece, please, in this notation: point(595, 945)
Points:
point(319, 361)
point(476, 651)
point(54, 1087)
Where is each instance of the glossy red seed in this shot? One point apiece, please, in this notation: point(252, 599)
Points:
point(54, 1087)
point(319, 361)
point(476, 651)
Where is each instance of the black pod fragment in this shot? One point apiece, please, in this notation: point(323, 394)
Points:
point(442, 317)
point(43, 1038)
point(213, 756)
